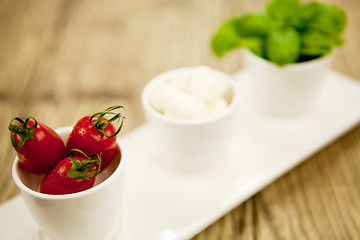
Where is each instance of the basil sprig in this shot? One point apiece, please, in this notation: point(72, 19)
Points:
point(286, 32)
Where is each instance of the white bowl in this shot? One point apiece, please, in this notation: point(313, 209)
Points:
point(90, 214)
point(191, 145)
point(289, 90)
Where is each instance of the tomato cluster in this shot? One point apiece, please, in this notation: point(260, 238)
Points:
point(70, 167)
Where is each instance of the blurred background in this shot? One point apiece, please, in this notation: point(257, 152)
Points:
point(63, 59)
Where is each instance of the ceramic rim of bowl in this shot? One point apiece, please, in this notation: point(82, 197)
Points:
point(36, 194)
point(164, 77)
point(298, 66)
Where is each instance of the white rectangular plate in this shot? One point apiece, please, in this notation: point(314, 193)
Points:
point(160, 203)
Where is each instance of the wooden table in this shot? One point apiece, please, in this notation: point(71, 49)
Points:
point(61, 60)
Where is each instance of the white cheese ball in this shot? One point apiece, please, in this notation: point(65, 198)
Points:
point(216, 107)
point(207, 84)
point(160, 94)
point(180, 81)
point(184, 106)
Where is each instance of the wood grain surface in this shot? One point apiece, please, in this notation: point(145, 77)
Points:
point(63, 59)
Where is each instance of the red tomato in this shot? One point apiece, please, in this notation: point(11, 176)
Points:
point(96, 135)
point(39, 148)
point(71, 175)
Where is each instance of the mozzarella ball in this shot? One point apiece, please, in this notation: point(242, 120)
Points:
point(180, 81)
point(207, 84)
point(160, 94)
point(216, 107)
point(184, 106)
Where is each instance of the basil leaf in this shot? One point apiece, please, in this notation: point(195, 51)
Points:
point(245, 31)
point(283, 45)
point(329, 19)
point(316, 43)
point(254, 44)
point(285, 12)
point(307, 13)
point(253, 25)
point(225, 38)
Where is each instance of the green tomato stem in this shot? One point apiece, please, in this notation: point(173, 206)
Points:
point(80, 169)
point(24, 131)
point(100, 124)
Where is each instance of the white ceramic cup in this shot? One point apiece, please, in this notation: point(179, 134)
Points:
point(92, 214)
point(190, 146)
point(289, 90)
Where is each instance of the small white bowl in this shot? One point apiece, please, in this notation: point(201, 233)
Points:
point(90, 214)
point(285, 91)
point(191, 145)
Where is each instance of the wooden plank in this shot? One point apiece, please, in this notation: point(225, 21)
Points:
point(60, 60)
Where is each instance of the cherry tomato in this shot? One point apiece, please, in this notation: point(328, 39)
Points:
point(96, 135)
point(71, 175)
point(38, 147)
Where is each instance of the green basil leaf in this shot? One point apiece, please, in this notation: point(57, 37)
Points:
point(329, 19)
point(317, 43)
point(283, 45)
point(307, 13)
point(253, 25)
point(254, 44)
point(285, 12)
point(226, 38)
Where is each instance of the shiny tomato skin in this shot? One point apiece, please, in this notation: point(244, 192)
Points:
point(90, 140)
point(42, 154)
point(57, 182)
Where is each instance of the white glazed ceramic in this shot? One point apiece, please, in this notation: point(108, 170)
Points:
point(164, 205)
point(289, 90)
point(88, 215)
point(190, 145)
